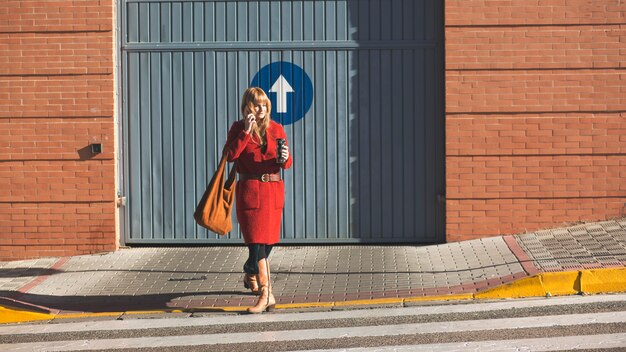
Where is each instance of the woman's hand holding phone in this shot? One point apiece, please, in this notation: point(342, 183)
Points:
point(249, 122)
point(284, 154)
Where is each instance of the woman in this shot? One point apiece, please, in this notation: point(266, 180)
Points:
point(260, 193)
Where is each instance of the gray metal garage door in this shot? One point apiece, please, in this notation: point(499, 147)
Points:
point(368, 151)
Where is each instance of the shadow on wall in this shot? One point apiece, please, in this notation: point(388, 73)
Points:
point(397, 156)
point(90, 151)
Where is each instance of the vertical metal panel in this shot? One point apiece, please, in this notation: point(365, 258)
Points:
point(367, 155)
point(407, 147)
point(168, 144)
point(308, 166)
point(363, 199)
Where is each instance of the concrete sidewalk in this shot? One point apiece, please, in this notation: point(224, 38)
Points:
point(589, 258)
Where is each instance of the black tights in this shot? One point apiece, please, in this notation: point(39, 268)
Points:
point(256, 252)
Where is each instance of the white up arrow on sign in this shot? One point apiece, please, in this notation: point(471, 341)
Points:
point(281, 87)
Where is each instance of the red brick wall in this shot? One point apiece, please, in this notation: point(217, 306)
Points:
point(535, 114)
point(535, 120)
point(56, 97)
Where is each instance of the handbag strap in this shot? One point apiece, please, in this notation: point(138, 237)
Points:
point(233, 171)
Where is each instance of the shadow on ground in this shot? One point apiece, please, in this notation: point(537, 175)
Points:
point(114, 303)
point(25, 272)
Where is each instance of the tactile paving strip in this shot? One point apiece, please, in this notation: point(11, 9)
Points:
point(597, 245)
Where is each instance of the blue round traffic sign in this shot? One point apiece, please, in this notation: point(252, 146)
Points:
point(288, 87)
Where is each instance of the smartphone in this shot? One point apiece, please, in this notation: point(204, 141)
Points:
point(280, 143)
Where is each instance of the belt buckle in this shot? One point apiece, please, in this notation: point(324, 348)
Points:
point(264, 176)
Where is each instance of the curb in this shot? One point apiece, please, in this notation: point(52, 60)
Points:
point(593, 281)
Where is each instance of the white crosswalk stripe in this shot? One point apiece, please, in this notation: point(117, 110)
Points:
point(571, 323)
point(541, 344)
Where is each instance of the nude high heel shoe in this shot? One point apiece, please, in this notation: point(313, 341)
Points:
point(266, 300)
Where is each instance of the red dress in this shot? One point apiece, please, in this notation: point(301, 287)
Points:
point(259, 204)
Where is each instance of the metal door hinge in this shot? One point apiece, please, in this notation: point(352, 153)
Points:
point(121, 202)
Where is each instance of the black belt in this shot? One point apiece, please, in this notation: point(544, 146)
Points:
point(261, 177)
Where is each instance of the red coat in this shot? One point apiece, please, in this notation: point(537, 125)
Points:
point(259, 204)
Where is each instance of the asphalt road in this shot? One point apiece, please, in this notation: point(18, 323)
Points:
point(551, 324)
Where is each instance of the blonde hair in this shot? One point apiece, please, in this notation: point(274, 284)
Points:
point(256, 96)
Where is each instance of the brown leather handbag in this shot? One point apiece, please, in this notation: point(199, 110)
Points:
point(214, 209)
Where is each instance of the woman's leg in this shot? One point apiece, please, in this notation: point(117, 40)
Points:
point(266, 300)
point(251, 265)
point(271, 300)
point(251, 268)
point(264, 255)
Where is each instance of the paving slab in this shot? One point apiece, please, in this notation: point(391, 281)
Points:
point(206, 280)
point(183, 278)
point(595, 245)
